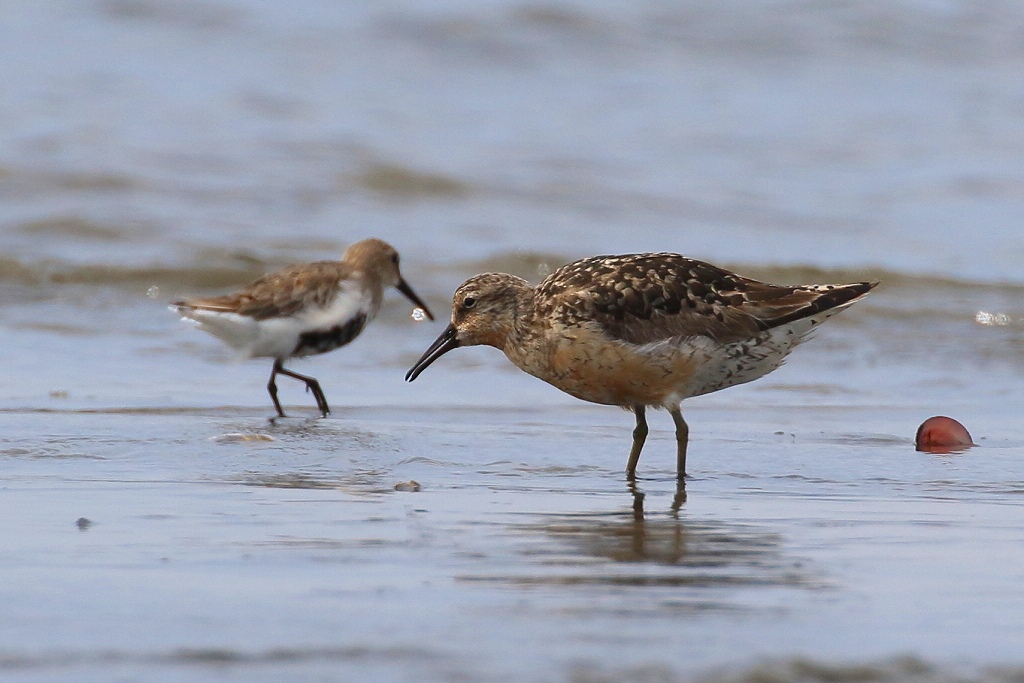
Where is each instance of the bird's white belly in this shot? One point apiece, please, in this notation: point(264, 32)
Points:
point(719, 366)
point(280, 337)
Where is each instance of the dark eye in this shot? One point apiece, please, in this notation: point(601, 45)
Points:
point(468, 302)
point(394, 259)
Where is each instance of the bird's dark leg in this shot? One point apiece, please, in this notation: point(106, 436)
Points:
point(311, 384)
point(682, 437)
point(639, 436)
point(272, 386)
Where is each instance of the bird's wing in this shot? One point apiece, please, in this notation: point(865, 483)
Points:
point(281, 293)
point(645, 298)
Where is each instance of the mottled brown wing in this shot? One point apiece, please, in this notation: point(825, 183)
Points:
point(644, 298)
point(281, 293)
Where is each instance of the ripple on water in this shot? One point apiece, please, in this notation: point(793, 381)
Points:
point(360, 483)
point(805, 670)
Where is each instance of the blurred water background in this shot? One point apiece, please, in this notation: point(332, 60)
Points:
point(153, 149)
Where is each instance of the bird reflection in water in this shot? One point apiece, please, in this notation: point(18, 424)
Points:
point(629, 549)
point(700, 553)
point(638, 498)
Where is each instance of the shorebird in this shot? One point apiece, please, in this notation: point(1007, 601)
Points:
point(303, 310)
point(639, 330)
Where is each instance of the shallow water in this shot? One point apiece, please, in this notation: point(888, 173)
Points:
point(157, 526)
point(210, 553)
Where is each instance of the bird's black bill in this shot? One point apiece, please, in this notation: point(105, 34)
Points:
point(446, 342)
point(404, 288)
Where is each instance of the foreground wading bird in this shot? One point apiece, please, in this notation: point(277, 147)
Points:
point(639, 330)
point(303, 310)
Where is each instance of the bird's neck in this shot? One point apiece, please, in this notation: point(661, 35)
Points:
point(523, 335)
point(372, 289)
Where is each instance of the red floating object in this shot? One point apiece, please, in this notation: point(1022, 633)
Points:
point(942, 434)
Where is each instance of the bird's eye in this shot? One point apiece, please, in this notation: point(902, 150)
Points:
point(394, 259)
point(468, 302)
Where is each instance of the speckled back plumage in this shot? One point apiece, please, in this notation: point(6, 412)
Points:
point(644, 298)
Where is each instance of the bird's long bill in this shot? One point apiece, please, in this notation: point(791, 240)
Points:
point(446, 342)
point(404, 288)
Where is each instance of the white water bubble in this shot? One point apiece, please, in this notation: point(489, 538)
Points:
point(419, 315)
point(153, 292)
point(992, 319)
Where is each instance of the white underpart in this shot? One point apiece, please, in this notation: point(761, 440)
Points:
point(721, 366)
point(278, 337)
